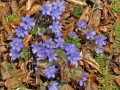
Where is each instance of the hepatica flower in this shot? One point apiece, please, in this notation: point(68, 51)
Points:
point(36, 47)
point(84, 77)
point(60, 42)
point(47, 8)
point(100, 40)
point(53, 85)
point(59, 4)
point(50, 44)
point(90, 34)
point(14, 54)
point(41, 55)
point(82, 24)
point(21, 32)
point(52, 56)
point(50, 71)
point(16, 44)
point(56, 14)
point(72, 34)
point(55, 26)
point(70, 48)
point(74, 57)
point(27, 22)
point(99, 50)
point(58, 34)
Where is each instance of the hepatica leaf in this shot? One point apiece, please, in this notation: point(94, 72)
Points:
point(75, 74)
point(34, 30)
point(78, 11)
point(25, 53)
point(61, 54)
point(6, 74)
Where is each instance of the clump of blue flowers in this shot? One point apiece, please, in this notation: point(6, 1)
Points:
point(21, 30)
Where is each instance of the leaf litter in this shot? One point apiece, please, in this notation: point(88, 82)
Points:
point(79, 39)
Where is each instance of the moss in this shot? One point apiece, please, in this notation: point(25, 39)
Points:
point(117, 35)
point(105, 77)
point(116, 5)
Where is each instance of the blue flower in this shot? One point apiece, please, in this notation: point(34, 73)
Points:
point(40, 32)
point(21, 32)
point(49, 43)
point(27, 22)
point(16, 44)
point(36, 47)
point(72, 34)
point(99, 50)
point(52, 55)
point(47, 8)
point(90, 34)
point(74, 57)
point(100, 40)
point(50, 71)
point(58, 34)
point(82, 24)
point(41, 55)
point(56, 14)
point(84, 77)
point(14, 54)
point(53, 85)
point(70, 48)
point(55, 26)
point(60, 42)
point(59, 4)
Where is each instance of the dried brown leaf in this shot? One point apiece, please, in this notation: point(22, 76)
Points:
point(116, 70)
point(34, 9)
point(95, 19)
point(13, 81)
point(87, 58)
point(117, 59)
point(108, 49)
point(27, 39)
point(29, 4)
point(2, 49)
point(77, 2)
point(85, 14)
point(117, 79)
point(92, 82)
point(68, 26)
point(14, 6)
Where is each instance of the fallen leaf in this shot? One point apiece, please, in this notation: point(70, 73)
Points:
point(29, 4)
point(2, 49)
point(117, 79)
point(14, 6)
point(116, 70)
point(26, 40)
point(68, 26)
point(85, 14)
point(92, 82)
point(77, 2)
point(13, 81)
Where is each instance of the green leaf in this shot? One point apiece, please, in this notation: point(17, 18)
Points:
point(25, 53)
point(34, 30)
point(12, 17)
point(74, 73)
point(8, 67)
point(61, 55)
point(68, 40)
point(78, 11)
point(64, 86)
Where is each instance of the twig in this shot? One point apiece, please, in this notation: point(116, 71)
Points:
point(77, 2)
